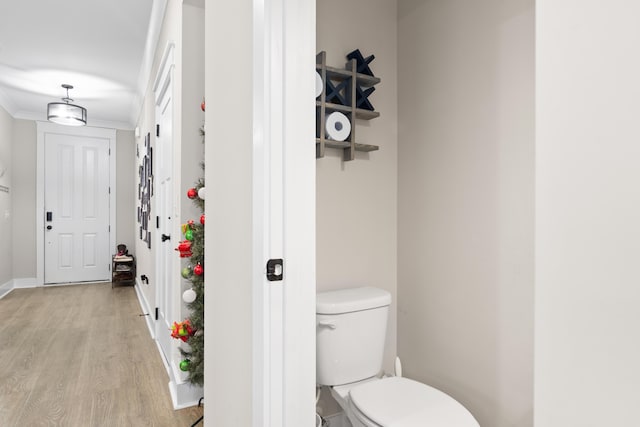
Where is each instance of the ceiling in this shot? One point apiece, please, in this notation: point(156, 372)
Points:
point(101, 47)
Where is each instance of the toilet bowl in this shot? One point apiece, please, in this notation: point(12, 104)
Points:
point(400, 402)
point(350, 333)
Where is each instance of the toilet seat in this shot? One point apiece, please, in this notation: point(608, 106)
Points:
point(401, 402)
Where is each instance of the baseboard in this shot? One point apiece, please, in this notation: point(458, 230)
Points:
point(6, 288)
point(184, 395)
point(27, 282)
point(144, 305)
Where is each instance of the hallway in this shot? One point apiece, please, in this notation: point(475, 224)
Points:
point(81, 356)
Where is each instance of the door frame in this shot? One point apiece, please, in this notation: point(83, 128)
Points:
point(44, 128)
point(260, 177)
point(164, 78)
point(284, 211)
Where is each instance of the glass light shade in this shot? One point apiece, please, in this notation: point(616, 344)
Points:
point(66, 114)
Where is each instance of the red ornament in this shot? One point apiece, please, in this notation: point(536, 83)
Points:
point(184, 248)
point(202, 105)
point(198, 270)
point(192, 193)
point(182, 330)
point(202, 219)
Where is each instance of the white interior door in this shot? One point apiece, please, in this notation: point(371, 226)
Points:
point(165, 254)
point(76, 206)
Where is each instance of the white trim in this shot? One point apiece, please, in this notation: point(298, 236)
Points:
point(61, 285)
point(22, 283)
point(6, 289)
point(46, 127)
point(113, 189)
point(153, 35)
point(144, 305)
point(262, 388)
point(284, 212)
point(28, 282)
point(163, 82)
point(164, 70)
point(184, 395)
point(299, 209)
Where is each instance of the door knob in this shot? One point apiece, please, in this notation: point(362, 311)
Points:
point(165, 237)
point(49, 227)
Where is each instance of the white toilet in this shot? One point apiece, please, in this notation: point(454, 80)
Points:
point(351, 325)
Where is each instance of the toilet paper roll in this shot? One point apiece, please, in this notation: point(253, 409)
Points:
point(338, 126)
point(319, 84)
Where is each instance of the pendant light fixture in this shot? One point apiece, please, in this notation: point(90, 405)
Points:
point(65, 113)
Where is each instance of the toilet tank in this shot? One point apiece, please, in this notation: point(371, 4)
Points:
point(351, 325)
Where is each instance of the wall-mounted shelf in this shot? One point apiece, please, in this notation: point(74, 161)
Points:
point(324, 108)
point(359, 112)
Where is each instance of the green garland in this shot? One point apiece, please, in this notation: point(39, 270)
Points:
point(196, 341)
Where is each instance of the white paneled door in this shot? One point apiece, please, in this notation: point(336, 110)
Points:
point(165, 253)
point(76, 209)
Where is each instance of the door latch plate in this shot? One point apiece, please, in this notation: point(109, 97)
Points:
point(275, 270)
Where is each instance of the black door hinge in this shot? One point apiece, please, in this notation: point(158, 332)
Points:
point(157, 313)
point(158, 131)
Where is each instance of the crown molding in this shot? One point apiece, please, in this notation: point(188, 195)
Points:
point(153, 34)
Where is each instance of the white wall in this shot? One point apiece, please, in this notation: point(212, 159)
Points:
point(126, 213)
point(6, 165)
point(356, 200)
point(229, 234)
point(587, 214)
point(192, 89)
point(465, 202)
point(24, 199)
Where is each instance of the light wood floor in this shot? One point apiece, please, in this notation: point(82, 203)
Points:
point(81, 356)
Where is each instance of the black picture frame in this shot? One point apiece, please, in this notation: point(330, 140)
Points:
point(145, 189)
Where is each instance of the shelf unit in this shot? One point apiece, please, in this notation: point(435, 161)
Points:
point(323, 108)
point(123, 270)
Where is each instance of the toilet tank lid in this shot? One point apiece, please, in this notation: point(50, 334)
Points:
point(350, 300)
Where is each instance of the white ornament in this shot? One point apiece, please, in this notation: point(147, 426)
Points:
point(201, 193)
point(189, 296)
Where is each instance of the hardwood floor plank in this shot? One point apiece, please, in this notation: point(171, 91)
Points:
point(79, 356)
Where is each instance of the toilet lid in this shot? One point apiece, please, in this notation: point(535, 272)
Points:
point(401, 402)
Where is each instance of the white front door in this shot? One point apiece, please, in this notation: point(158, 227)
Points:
point(165, 253)
point(76, 208)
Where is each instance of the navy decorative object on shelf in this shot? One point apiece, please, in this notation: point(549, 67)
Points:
point(335, 93)
point(362, 67)
point(362, 97)
point(363, 63)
